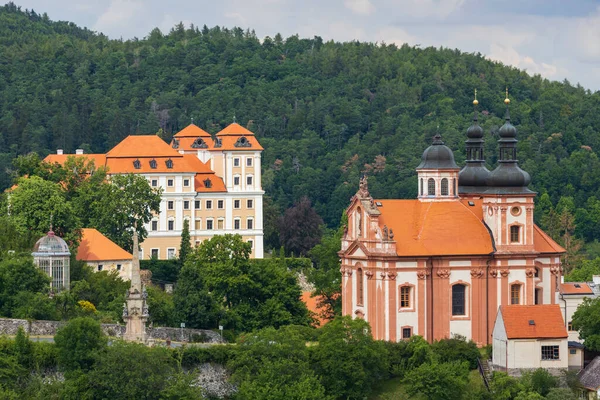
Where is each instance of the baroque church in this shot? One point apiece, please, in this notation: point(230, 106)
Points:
point(441, 265)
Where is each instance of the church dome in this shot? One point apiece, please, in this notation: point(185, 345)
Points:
point(475, 131)
point(473, 175)
point(508, 175)
point(507, 130)
point(51, 245)
point(437, 156)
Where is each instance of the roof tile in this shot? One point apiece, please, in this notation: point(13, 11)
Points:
point(548, 321)
point(94, 246)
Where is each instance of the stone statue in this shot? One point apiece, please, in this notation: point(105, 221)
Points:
point(385, 233)
point(363, 187)
point(391, 234)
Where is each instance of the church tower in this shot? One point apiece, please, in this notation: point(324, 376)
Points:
point(508, 203)
point(473, 177)
point(438, 173)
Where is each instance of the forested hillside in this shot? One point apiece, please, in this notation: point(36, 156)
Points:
point(325, 112)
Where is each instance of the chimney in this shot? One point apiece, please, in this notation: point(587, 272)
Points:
point(79, 151)
point(59, 151)
point(596, 279)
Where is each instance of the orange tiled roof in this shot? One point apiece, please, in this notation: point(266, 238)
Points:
point(185, 143)
point(547, 318)
point(192, 131)
point(235, 129)
point(570, 288)
point(94, 246)
point(142, 146)
point(312, 303)
point(544, 243)
point(99, 159)
point(228, 143)
point(436, 228)
point(217, 184)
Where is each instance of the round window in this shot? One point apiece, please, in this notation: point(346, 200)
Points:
point(515, 211)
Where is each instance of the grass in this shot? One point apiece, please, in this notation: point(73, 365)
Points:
point(394, 389)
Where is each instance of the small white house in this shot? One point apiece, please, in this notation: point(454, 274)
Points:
point(102, 254)
point(530, 337)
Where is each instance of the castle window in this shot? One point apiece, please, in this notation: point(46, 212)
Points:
point(359, 287)
point(207, 183)
point(137, 164)
point(458, 299)
point(236, 162)
point(249, 161)
point(431, 187)
point(406, 333)
point(514, 233)
point(444, 187)
point(153, 164)
point(421, 186)
point(454, 187)
point(169, 163)
point(405, 297)
point(515, 294)
point(154, 225)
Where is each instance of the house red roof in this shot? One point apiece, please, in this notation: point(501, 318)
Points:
point(94, 246)
point(547, 320)
point(575, 288)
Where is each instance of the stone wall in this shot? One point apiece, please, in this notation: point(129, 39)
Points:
point(49, 328)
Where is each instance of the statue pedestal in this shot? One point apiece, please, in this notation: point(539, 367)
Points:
point(135, 315)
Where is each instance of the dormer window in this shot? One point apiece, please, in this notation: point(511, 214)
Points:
point(175, 144)
point(153, 164)
point(218, 142)
point(137, 164)
point(242, 142)
point(199, 143)
point(169, 163)
point(207, 183)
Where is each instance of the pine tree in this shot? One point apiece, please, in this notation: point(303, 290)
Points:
point(186, 248)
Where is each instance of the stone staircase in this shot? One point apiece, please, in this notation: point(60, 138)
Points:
point(485, 371)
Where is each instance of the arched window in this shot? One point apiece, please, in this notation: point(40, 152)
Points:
point(515, 294)
point(458, 299)
point(514, 233)
point(359, 287)
point(454, 187)
point(444, 187)
point(405, 297)
point(421, 186)
point(431, 187)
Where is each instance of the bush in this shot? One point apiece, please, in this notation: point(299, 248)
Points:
point(456, 349)
point(79, 343)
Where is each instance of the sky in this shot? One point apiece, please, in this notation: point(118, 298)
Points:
point(558, 39)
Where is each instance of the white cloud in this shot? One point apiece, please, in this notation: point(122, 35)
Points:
point(398, 36)
point(588, 37)
point(118, 14)
point(509, 56)
point(437, 9)
point(360, 7)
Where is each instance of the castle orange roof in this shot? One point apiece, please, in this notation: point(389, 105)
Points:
point(99, 159)
point(216, 183)
point(235, 129)
point(185, 143)
point(142, 146)
point(192, 131)
point(544, 243)
point(228, 143)
point(436, 228)
point(94, 246)
point(547, 320)
point(575, 288)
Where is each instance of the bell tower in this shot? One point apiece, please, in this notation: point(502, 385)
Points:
point(438, 173)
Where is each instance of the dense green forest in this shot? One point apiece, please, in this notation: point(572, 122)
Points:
point(325, 112)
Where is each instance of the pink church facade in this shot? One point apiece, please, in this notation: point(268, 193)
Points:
point(441, 265)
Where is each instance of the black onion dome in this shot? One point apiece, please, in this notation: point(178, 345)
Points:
point(473, 175)
point(509, 175)
point(437, 156)
point(475, 131)
point(507, 130)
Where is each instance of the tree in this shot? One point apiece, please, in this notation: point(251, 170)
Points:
point(128, 201)
point(38, 204)
point(438, 381)
point(348, 360)
point(186, 247)
point(161, 307)
point(456, 349)
point(194, 304)
point(504, 387)
point(586, 320)
point(79, 344)
point(539, 381)
point(326, 273)
point(273, 364)
point(585, 272)
point(300, 228)
point(20, 281)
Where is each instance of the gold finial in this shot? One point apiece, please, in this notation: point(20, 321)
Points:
point(507, 100)
point(475, 102)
